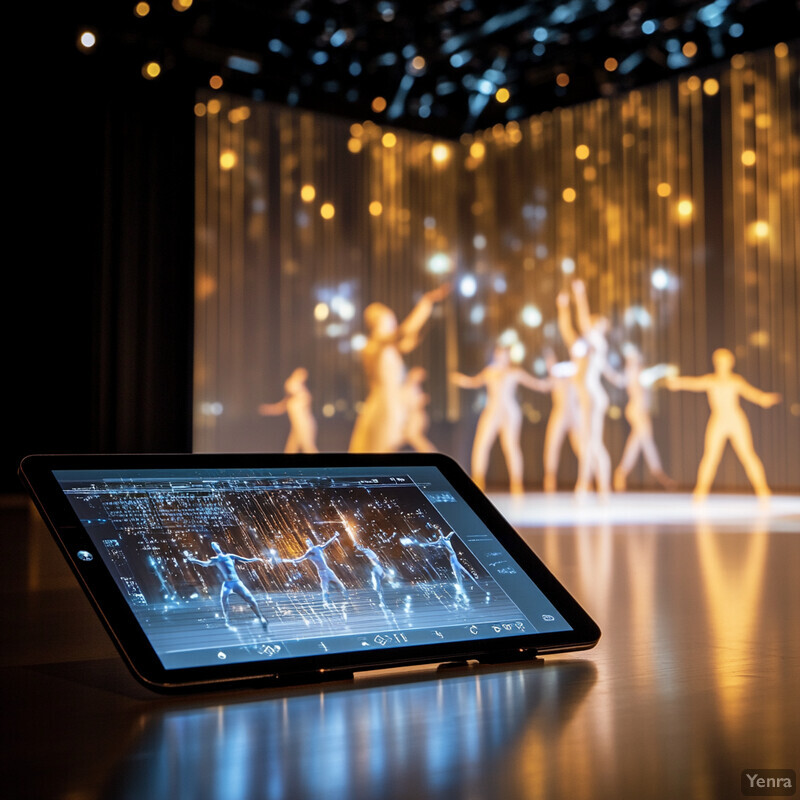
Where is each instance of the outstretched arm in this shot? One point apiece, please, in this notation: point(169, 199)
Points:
point(273, 409)
point(701, 383)
point(537, 384)
point(754, 395)
point(245, 560)
point(565, 327)
point(331, 540)
point(648, 377)
point(468, 381)
point(582, 307)
point(197, 561)
point(409, 329)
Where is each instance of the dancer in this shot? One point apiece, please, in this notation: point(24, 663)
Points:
point(456, 566)
point(727, 422)
point(316, 555)
point(297, 405)
point(589, 353)
point(501, 416)
point(381, 423)
point(639, 382)
point(231, 582)
point(564, 419)
point(417, 421)
point(377, 572)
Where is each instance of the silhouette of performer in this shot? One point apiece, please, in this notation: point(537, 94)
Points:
point(589, 353)
point(380, 426)
point(501, 416)
point(727, 421)
point(456, 566)
point(297, 405)
point(226, 565)
point(316, 555)
point(564, 419)
point(639, 382)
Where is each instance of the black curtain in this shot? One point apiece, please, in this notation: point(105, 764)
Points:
point(99, 282)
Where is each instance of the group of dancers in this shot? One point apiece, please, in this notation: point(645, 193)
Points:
point(379, 571)
point(394, 413)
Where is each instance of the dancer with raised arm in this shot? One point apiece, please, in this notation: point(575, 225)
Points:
point(316, 555)
point(297, 405)
point(380, 425)
point(501, 416)
point(457, 568)
point(727, 422)
point(639, 383)
point(589, 353)
point(231, 582)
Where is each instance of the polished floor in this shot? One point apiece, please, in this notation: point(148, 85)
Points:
point(694, 680)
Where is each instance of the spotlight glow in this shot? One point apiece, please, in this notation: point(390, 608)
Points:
point(468, 285)
point(660, 279)
point(439, 264)
point(532, 316)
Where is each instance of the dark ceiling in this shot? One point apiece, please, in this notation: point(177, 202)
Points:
point(438, 65)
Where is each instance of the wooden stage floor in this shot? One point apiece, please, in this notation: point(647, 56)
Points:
point(694, 680)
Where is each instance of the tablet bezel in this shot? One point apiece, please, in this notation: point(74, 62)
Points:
point(37, 475)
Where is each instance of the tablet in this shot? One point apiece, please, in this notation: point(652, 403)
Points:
point(214, 570)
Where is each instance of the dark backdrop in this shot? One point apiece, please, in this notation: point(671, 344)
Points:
point(98, 282)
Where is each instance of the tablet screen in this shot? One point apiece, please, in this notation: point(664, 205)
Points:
point(237, 565)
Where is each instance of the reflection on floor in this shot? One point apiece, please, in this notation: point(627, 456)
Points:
point(693, 680)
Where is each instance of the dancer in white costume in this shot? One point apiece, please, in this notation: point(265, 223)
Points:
point(639, 383)
point(297, 405)
point(381, 424)
point(727, 422)
point(417, 421)
point(589, 353)
point(501, 416)
point(563, 421)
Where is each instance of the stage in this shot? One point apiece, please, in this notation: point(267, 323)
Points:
point(721, 511)
point(693, 681)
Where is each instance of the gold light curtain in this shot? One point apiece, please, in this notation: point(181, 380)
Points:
point(685, 241)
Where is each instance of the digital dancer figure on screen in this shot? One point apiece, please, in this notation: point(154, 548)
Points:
point(501, 416)
point(297, 406)
point(377, 571)
point(589, 353)
point(727, 422)
point(381, 423)
point(231, 582)
point(316, 555)
point(456, 566)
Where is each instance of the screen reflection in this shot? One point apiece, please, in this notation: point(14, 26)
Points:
point(436, 736)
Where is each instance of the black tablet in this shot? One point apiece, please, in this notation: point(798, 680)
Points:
point(210, 570)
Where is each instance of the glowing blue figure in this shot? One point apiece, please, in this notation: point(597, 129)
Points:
point(378, 572)
point(231, 582)
point(315, 554)
point(455, 565)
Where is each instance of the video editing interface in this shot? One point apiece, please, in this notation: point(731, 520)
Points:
point(237, 565)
